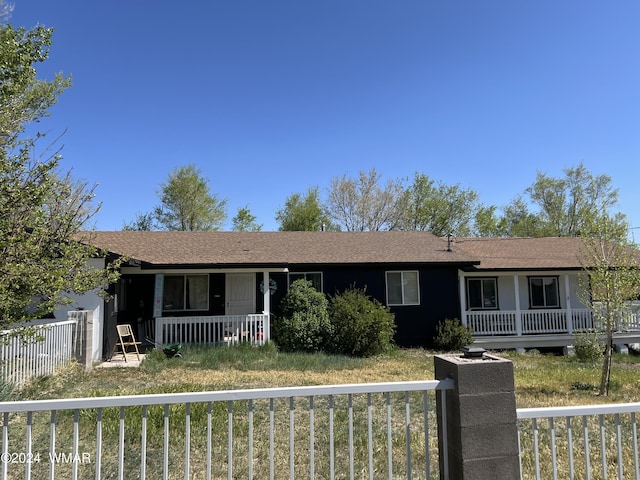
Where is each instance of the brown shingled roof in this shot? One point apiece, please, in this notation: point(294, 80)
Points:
point(278, 248)
point(524, 253)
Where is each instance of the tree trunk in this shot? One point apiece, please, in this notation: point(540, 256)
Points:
point(606, 367)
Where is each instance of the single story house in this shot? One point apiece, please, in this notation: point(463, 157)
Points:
point(212, 286)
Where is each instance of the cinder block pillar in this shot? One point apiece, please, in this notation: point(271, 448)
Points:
point(481, 422)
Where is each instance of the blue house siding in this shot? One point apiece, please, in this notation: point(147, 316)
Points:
point(415, 323)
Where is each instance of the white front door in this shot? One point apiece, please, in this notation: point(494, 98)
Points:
point(240, 293)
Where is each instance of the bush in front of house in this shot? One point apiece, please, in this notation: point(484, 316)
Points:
point(451, 335)
point(362, 326)
point(303, 324)
point(588, 346)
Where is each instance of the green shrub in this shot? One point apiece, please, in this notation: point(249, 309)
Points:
point(304, 323)
point(362, 326)
point(451, 335)
point(588, 346)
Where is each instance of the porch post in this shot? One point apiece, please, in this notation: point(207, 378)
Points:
point(569, 318)
point(516, 287)
point(463, 300)
point(267, 293)
point(266, 329)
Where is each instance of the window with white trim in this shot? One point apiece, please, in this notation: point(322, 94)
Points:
point(186, 292)
point(403, 288)
point(314, 277)
point(543, 292)
point(482, 294)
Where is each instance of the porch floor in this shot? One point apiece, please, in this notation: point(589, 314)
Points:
point(118, 361)
point(509, 342)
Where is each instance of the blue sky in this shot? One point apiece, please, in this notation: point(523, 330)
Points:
point(271, 97)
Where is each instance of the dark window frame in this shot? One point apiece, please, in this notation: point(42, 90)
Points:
point(543, 292)
point(496, 305)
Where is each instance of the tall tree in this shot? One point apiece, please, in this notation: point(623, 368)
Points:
point(568, 206)
point(244, 221)
point(364, 204)
point(43, 255)
point(187, 204)
point(519, 221)
point(304, 213)
point(487, 223)
point(439, 208)
point(610, 283)
point(142, 222)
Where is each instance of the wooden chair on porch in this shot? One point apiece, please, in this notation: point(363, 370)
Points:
point(126, 339)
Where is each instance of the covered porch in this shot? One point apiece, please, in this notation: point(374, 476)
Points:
point(535, 309)
point(199, 306)
point(223, 330)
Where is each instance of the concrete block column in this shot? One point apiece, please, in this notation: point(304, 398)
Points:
point(481, 422)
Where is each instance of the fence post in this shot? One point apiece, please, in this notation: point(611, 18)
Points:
point(88, 346)
point(481, 421)
point(82, 335)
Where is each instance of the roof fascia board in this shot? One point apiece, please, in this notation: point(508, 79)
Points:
point(172, 270)
point(517, 271)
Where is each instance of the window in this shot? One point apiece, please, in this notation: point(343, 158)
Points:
point(186, 292)
point(403, 288)
point(482, 294)
point(543, 292)
point(314, 277)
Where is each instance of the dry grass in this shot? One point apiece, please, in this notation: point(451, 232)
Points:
point(541, 380)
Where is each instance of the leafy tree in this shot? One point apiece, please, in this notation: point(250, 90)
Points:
point(439, 208)
point(363, 204)
point(569, 206)
point(560, 207)
point(487, 223)
point(610, 283)
point(519, 221)
point(304, 213)
point(187, 204)
point(43, 255)
point(142, 222)
point(244, 221)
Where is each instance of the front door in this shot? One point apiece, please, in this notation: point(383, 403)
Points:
point(240, 293)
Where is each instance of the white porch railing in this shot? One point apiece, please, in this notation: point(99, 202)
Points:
point(594, 441)
point(212, 330)
point(528, 322)
point(323, 431)
point(26, 356)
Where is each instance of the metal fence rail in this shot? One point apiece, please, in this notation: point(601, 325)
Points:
point(384, 430)
point(39, 350)
point(590, 442)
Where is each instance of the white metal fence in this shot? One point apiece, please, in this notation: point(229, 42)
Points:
point(385, 430)
point(35, 350)
point(584, 442)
